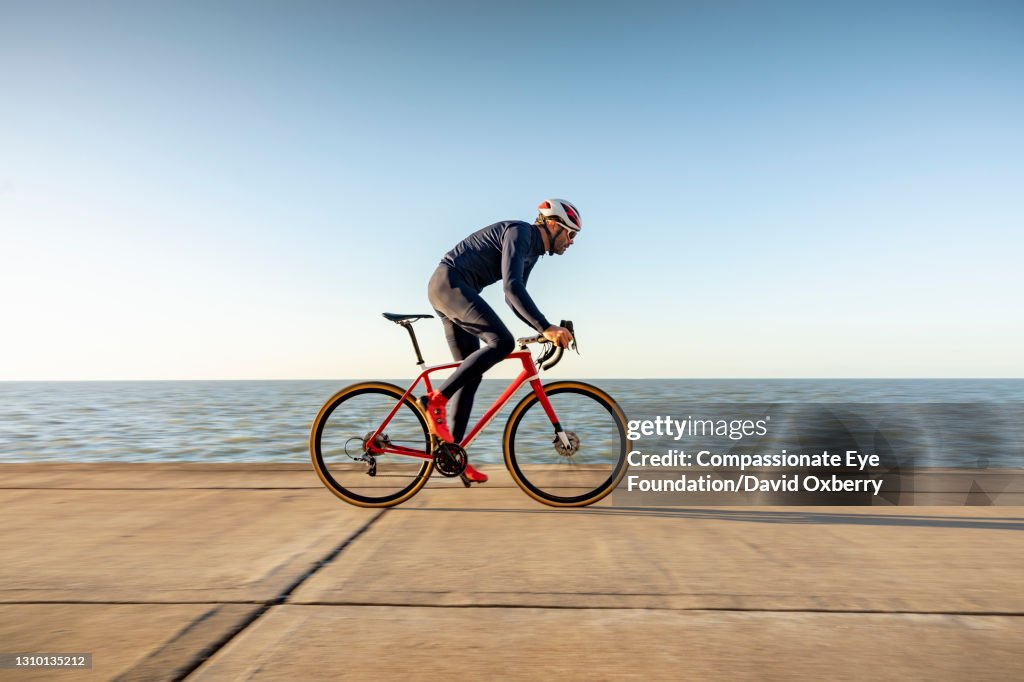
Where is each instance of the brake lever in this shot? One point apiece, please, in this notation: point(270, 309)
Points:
point(572, 344)
point(552, 354)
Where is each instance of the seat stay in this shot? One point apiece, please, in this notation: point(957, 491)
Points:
point(423, 376)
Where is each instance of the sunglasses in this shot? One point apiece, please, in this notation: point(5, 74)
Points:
point(573, 232)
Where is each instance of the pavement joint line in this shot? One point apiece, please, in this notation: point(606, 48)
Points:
point(130, 602)
point(553, 607)
point(542, 607)
point(198, 638)
point(204, 656)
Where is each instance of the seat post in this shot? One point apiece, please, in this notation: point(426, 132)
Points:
point(412, 335)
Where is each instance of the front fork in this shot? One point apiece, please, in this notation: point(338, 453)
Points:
point(550, 412)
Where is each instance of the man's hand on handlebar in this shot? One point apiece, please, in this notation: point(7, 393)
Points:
point(560, 336)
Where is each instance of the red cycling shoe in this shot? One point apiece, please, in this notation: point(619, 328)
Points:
point(435, 405)
point(471, 475)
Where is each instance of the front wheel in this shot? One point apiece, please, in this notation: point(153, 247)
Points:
point(361, 462)
point(574, 473)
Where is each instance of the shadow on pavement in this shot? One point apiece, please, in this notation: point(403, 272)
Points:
point(753, 516)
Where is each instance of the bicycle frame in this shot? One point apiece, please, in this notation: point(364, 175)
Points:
point(528, 375)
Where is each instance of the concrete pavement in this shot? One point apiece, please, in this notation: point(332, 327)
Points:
point(166, 571)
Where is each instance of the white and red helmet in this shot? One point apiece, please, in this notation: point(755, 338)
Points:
point(563, 212)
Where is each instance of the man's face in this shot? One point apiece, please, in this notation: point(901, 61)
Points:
point(563, 238)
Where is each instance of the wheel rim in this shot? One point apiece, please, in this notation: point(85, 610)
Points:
point(544, 470)
point(338, 439)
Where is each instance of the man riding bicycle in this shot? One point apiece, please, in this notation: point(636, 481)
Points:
point(507, 251)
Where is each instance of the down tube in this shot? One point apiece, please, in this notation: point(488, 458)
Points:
point(495, 408)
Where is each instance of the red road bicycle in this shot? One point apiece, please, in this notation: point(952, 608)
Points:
point(565, 443)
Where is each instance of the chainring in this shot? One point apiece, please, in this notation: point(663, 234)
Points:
point(450, 460)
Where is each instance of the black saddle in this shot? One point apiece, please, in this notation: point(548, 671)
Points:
point(399, 319)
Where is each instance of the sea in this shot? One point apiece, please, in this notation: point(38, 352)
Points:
point(269, 421)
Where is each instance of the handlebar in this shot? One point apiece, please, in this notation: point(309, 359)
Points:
point(551, 354)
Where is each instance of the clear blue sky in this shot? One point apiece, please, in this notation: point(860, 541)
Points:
point(238, 190)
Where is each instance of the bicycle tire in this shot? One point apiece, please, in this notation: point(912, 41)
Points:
point(560, 480)
point(338, 434)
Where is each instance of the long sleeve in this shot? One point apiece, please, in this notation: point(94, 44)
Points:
point(515, 248)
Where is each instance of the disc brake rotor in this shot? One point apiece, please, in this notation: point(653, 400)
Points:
point(379, 443)
point(570, 449)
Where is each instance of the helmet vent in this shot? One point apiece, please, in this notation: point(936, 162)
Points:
point(569, 211)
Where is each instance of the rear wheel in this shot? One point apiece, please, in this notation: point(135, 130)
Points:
point(348, 463)
point(574, 474)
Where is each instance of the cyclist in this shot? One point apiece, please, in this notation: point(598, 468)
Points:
point(507, 250)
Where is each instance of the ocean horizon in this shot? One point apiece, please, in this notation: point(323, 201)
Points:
point(269, 420)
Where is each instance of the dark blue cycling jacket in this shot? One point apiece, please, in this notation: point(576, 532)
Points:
point(507, 251)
